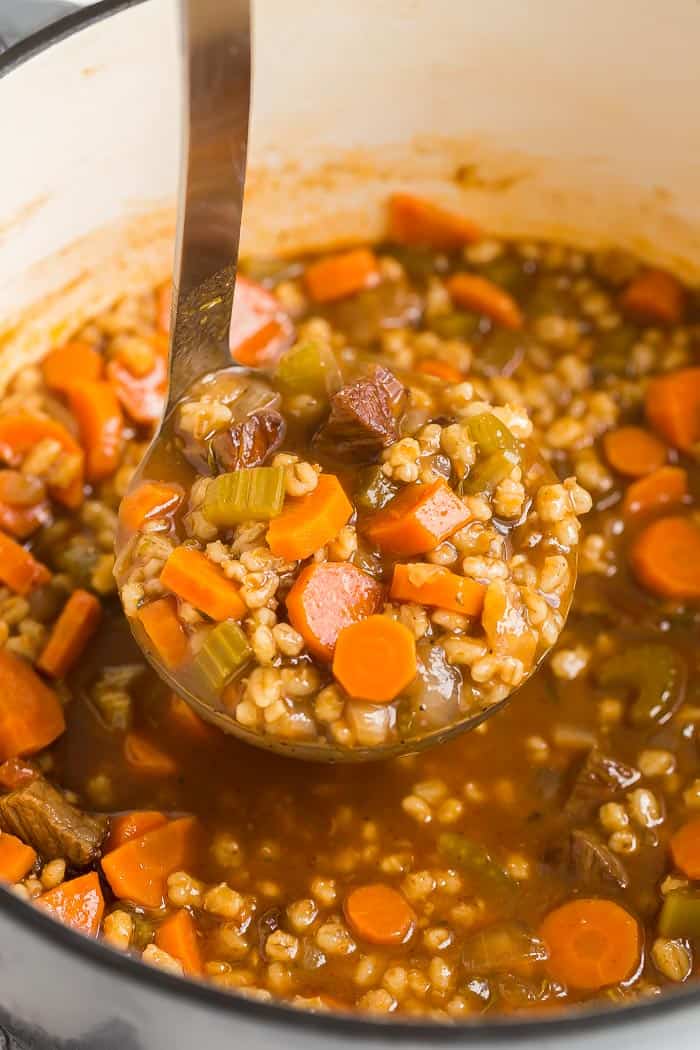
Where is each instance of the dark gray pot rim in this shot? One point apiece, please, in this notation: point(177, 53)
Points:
point(349, 1026)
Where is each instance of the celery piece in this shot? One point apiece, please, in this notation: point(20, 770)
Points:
point(308, 368)
point(472, 859)
point(487, 431)
point(224, 652)
point(502, 947)
point(374, 490)
point(488, 473)
point(655, 673)
point(680, 915)
point(255, 494)
point(454, 325)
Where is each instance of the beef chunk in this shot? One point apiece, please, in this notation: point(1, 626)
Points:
point(594, 865)
point(42, 817)
point(599, 779)
point(364, 418)
point(250, 443)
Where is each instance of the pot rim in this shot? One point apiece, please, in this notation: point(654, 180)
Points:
point(353, 1025)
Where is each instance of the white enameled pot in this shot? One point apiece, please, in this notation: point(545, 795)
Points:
point(570, 120)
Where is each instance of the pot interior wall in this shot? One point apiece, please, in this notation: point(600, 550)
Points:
point(563, 121)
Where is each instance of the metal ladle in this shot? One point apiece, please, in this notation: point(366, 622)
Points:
point(217, 71)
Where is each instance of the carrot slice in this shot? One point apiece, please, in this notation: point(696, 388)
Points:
point(308, 523)
point(152, 499)
point(138, 871)
point(260, 329)
point(78, 903)
point(19, 569)
point(31, 716)
point(633, 451)
point(655, 296)
point(196, 579)
point(337, 276)
point(685, 848)
point(20, 433)
point(71, 363)
point(178, 937)
point(379, 914)
point(181, 715)
point(141, 396)
point(666, 486)
point(164, 628)
point(328, 596)
point(417, 520)
point(413, 220)
point(16, 858)
point(435, 585)
point(14, 773)
point(665, 558)
point(433, 366)
point(592, 943)
point(133, 825)
point(99, 415)
point(482, 296)
point(146, 757)
point(375, 659)
point(70, 634)
point(672, 406)
point(22, 522)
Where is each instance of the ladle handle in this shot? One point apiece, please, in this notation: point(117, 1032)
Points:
point(216, 67)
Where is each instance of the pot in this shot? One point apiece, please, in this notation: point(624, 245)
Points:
point(537, 120)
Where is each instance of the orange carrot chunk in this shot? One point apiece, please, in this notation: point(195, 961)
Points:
point(633, 451)
point(413, 220)
point(375, 659)
point(327, 597)
point(478, 294)
point(432, 366)
point(31, 716)
point(654, 297)
point(178, 937)
point(71, 363)
point(337, 276)
point(417, 520)
point(308, 523)
point(665, 558)
point(146, 757)
point(435, 585)
point(19, 569)
point(70, 634)
point(197, 580)
point(685, 848)
point(379, 914)
point(16, 858)
point(592, 943)
point(152, 499)
point(161, 623)
point(141, 396)
point(99, 415)
point(672, 406)
point(78, 903)
point(663, 488)
point(138, 871)
point(260, 329)
point(20, 433)
point(188, 722)
point(22, 522)
point(133, 825)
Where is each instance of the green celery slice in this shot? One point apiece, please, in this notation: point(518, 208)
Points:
point(487, 431)
point(374, 489)
point(308, 368)
point(655, 672)
point(256, 494)
point(474, 860)
point(680, 915)
point(224, 652)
